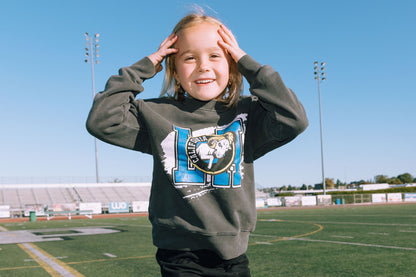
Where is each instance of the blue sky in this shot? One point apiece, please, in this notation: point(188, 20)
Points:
point(368, 99)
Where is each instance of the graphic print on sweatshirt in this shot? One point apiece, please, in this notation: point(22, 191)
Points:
point(200, 161)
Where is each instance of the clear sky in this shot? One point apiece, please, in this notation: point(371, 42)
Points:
point(368, 100)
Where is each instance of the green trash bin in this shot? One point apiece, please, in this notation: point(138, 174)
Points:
point(32, 216)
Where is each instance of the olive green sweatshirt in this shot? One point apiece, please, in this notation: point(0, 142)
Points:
point(203, 193)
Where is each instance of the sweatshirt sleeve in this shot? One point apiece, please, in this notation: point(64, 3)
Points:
point(114, 117)
point(276, 115)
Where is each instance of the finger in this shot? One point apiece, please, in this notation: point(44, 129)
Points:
point(169, 41)
point(227, 40)
point(227, 48)
point(235, 52)
point(227, 34)
point(168, 38)
point(169, 51)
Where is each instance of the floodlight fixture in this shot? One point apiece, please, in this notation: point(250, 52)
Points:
point(320, 76)
point(91, 52)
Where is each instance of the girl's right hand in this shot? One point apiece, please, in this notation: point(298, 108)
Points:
point(163, 51)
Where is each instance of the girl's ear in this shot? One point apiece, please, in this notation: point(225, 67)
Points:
point(176, 77)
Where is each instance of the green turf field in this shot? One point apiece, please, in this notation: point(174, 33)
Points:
point(339, 241)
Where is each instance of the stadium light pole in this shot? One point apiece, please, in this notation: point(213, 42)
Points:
point(91, 56)
point(320, 75)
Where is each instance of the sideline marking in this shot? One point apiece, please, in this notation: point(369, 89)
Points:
point(53, 266)
point(39, 260)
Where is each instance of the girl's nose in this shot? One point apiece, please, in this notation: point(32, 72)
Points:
point(203, 65)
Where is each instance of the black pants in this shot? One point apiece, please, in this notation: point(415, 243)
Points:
point(200, 263)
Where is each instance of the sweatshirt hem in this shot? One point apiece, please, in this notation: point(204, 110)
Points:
point(225, 244)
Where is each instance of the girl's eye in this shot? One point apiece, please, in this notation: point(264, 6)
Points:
point(215, 55)
point(189, 58)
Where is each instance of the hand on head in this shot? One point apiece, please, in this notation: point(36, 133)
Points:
point(163, 51)
point(229, 43)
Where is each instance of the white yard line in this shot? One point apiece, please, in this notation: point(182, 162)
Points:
point(358, 223)
point(379, 234)
point(266, 236)
point(356, 243)
point(342, 237)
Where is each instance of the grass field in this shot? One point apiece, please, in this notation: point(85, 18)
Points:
point(375, 240)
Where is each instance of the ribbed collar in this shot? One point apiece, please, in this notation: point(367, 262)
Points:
point(194, 104)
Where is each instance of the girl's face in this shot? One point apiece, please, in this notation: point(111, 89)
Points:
point(202, 67)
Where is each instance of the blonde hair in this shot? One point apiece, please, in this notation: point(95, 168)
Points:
point(171, 88)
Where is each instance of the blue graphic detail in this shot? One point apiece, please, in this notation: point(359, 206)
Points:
point(185, 173)
point(231, 177)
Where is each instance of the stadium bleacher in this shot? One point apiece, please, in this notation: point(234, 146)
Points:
point(17, 196)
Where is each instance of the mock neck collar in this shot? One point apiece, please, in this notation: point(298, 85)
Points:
point(195, 104)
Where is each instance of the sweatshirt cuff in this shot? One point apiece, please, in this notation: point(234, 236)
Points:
point(248, 67)
point(146, 68)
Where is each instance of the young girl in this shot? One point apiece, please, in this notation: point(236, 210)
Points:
point(204, 138)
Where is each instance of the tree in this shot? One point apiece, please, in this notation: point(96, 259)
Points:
point(395, 181)
point(303, 187)
point(329, 182)
point(339, 183)
point(405, 178)
point(380, 179)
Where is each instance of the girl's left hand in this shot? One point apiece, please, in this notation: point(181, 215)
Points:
point(229, 43)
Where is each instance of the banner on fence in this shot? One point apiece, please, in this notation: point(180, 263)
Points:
point(324, 200)
point(4, 211)
point(140, 206)
point(410, 197)
point(308, 200)
point(379, 197)
point(95, 207)
point(274, 202)
point(394, 197)
point(292, 201)
point(260, 203)
point(39, 209)
point(118, 207)
point(64, 207)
